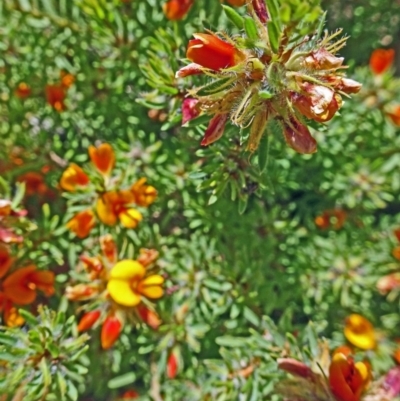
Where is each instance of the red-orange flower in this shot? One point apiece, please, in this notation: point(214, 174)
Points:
point(346, 378)
point(176, 9)
point(381, 60)
point(23, 90)
point(73, 177)
point(103, 158)
point(34, 183)
point(21, 286)
point(55, 96)
point(115, 205)
point(82, 223)
point(211, 52)
point(110, 331)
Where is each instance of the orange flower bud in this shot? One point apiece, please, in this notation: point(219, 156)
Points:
point(103, 157)
point(55, 95)
point(388, 283)
point(294, 367)
point(172, 366)
point(82, 223)
point(108, 248)
point(147, 256)
point(23, 90)
point(381, 60)
point(298, 137)
point(236, 3)
point(73, 177)
point(211, 52)
point(110, 331)
point(394, 115)
point(360, 332)
point(80, 292)
point(177, 9)
point(347, 379)
point(397, 234)
point(190, 69)
point(66, 79)
point(215, 129)
point(149, 317)
point(88, 320)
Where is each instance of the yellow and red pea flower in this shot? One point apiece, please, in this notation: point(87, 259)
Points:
point(348, 379)
point(117, 291)
point(111, 206)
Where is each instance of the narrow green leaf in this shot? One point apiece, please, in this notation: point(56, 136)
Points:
point(215, 86)
point(250, 28)
point(28, 317)
point(274, 35)
point(123, 380)
point(273, 9)
point(234, 16)
point(242, 204)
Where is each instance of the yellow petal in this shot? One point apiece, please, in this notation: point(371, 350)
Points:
point(155, 279)
point(153, 292)
point(105, 212)
point(121, 292)
point(127, 270)
point(150, 287)
point(130, 218)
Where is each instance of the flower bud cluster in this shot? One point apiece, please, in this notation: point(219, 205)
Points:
point(254, 80)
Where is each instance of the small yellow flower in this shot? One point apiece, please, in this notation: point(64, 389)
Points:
point(360, 332)
point(127, 283)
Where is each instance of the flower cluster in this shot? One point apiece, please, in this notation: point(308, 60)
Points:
point(111, 203)
point(266, 76)
point(55, 93)
point(346, 375)
point(116, 290)
point(18, 284)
